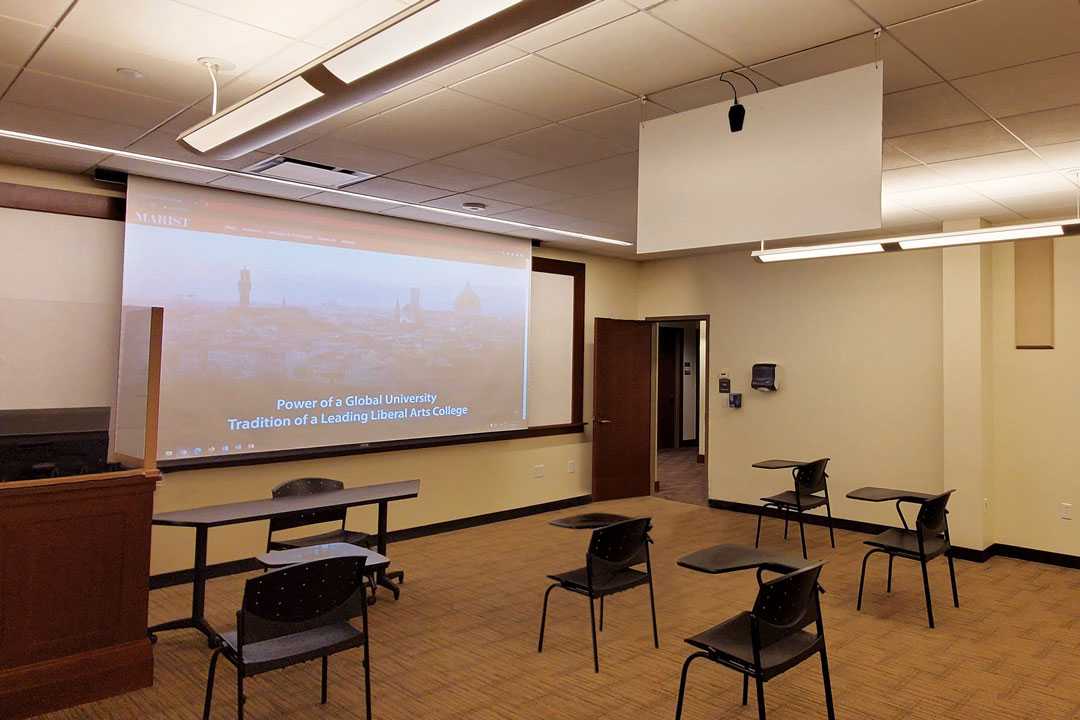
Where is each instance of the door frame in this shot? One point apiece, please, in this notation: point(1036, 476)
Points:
point(703, 387)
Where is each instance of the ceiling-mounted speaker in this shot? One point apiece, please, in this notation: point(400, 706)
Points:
point(736, 116)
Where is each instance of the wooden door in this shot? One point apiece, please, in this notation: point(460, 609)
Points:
point(668, 384)
point(622, 409)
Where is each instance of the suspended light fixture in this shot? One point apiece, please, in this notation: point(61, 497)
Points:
point(424, 38)
point(808, 252)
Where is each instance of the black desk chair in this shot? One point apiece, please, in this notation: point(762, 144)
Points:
point(613, 552)
point(770, 639)
point(312, 486)
point(810, 479)
point(293, 615)
point(929, 539)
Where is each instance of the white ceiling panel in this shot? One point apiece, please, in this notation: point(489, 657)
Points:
point(499, 162)
point(560, 221)
point(350, 203)
point(444, 176)
point(948, 202)
point(620, 124)
point(903, 70)
point(992, 34)
point(989, 167)
point(440, 123)
point(983, 138)
point(335, 151)
point(154, 170)
point(542, 88)
point(560, 144)
point(62, 94)
point(1028, 88)
point(609, 174)
point(710, 91)
point(18, 40)
point(917, 177)
point(1063, 156)
point(454, 202)
point(752, 32)
point(162, 143)
point(479, 63)
point(291, 19)
point(41, 12)
point(260, 187)
point(520, 194)
point(51, 123)
point(292, 57)
point(1047, 127)
point(562, 28)
point(927, 108)
point(615, 207)
point(615, 53)
point(362, 15)
point(888, 12)
point(382, 187)
point(440, 218)
point(899, 216)
point(892, 158)
point(47, 157)
point(1039, 188)
point(7, 74)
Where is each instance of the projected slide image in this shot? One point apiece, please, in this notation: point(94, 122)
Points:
point(275, 344)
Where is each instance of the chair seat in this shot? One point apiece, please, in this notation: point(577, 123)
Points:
point(334, 536)
point(789, 499)
point(733, 639)
point(905, 542)
point(578, 581)
point(291, 649)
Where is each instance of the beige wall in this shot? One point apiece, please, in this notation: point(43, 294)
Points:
point(859, 343)
point(456, 482)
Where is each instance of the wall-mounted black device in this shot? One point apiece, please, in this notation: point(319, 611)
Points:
point(764, 377)
point(725, 385)
point(734, 400)
point(52, 442)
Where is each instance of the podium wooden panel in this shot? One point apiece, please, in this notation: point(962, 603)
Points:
point(74, 572)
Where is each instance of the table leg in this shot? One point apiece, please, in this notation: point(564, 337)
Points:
point(198, 596)
point(384, 578)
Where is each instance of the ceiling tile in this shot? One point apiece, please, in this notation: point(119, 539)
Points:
point(983, 138)
point(1007, 189)
point(988, 167)
point(394, 99)
point(520, 194)
point(260, 187)
point(1027, 88)
point(609, 174)
point(899, 216)
point(1063, 155)
point(397, 190)
point(350, 203)
point(560, 221)
point(927, 108)
point(991, 34)
point(291, 57)
point(362, 15)
point(41, 12)
point(917, 177)
point(47, 157)
point(903, 70)
point(752, 32)
point(948, 202)
point(560, 144)
point(481, 62)
point(499, 162)
point(575, 23)
point(444, 176)
point(614, 54)
point(80, 98)
point(291, 19)
point(7, 74)
point(162, 143)
point(453, 202)
point(335, 151)
point(1047, 127)
point(434, 215)
point(542, 88)
point(709, 91)
point(615, 207)
point(18, 40)
point(440, 123)
point(620, 124)
point(892, 159)
point(154, 170)
point(51, 123)
point(888, 12)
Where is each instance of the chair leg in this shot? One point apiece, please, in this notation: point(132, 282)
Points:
point(543, 618)
point(926, 590)
point(592, 625)
point(761, 514)
point(601, 613)
point(210, 683)
point(760, 698)
point(240, 700)
point(828, 511)
point(787, 513)
point(652, 607)
point(888, 586)
point(828, 685)
point(682, 682)
point(367, 677)
point(862, 577)
point(325, 663)
point(745, 688)
point(952, 577)
point(802, 535)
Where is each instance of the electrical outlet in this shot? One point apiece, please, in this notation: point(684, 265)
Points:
point(1066, 511)
point(986, 503)
point(538, 471)
point(571, 467)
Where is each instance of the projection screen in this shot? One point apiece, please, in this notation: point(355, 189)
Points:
point(289, 325)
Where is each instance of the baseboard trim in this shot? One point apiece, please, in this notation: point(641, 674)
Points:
point(970, 554)
point(233, 567)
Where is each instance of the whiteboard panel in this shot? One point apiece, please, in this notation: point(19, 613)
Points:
point(807, 162)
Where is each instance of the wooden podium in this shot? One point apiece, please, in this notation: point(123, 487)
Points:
point(74, 573)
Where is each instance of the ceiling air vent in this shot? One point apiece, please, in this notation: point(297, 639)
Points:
point(308, 172)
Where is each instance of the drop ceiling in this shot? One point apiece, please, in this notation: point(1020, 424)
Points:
point(982, 106)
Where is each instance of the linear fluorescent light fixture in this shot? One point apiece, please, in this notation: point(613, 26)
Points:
point(984, 235)
point(808, 252)
point(424, 38)
point(154, 159)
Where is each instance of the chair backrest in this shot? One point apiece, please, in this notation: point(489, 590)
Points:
point(307, 486)
point(931, 521)
point(787, 604)
point(618, 547)
point(810, 478)
point(302, 597)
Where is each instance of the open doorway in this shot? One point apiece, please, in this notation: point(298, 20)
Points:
point(681, 409)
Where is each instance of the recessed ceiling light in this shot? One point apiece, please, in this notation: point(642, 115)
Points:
point(129, 73)
point(474, 206)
